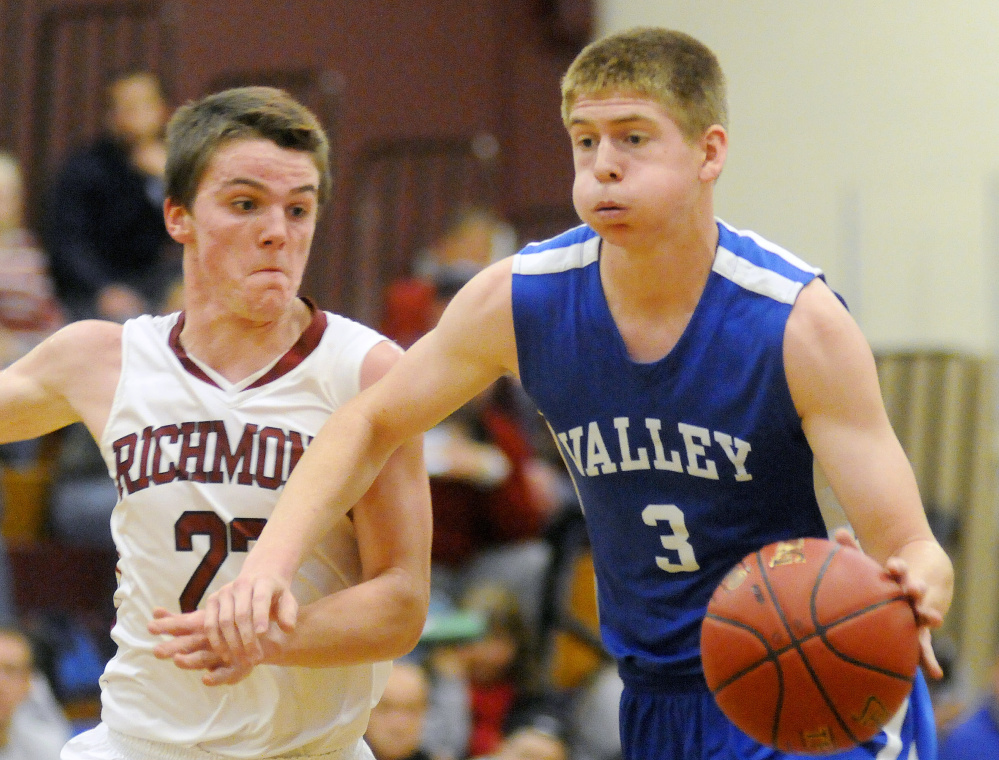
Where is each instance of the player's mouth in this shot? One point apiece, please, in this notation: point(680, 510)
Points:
point(609, 209)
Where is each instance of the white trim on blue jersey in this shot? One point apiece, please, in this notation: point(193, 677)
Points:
point(560, 259)
point(537, 258)
point(767, 245)
point(756, 279)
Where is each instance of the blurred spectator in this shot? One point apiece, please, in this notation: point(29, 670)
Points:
point(493, 494)
point(540, 737)
point(112, 259)
point(493, 498)
point(32, 725)
point(104, 228)
point(29, 311)
point(446, 724)
point(975, 735)
point(579, 675)
point(473, 238)
point(395, 727)
point(28, 314)
point(481, 687)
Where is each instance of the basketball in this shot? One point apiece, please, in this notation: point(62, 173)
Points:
point(809, 646)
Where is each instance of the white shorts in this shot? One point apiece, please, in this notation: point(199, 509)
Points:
point(99, 743)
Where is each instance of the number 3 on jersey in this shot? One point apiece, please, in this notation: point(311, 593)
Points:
point(222, 539)
point(675, 541)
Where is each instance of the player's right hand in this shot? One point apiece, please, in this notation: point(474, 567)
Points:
point(239, 614)
point(926, 616)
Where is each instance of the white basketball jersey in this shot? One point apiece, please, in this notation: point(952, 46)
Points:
point(199, 463)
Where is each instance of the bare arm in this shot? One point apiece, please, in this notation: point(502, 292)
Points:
point(834, 384)
point(381, 618)
point(70, 377)
point(471, 347)
point(443, 370)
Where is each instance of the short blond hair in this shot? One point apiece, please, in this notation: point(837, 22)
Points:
point(670, 67)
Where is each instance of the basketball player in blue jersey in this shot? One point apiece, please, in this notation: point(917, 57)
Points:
point(201, 415)
point(702, 385)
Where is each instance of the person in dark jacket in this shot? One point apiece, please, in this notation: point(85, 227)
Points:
point(110, 253)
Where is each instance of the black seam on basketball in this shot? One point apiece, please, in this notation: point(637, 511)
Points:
point(822, 630)
point(776, 652)
point(771, 656)
point(775, 729)
point(796, 642)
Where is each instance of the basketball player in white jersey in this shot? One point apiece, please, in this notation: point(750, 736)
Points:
point(201, 416)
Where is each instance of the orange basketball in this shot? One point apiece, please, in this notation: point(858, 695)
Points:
point(808, 646)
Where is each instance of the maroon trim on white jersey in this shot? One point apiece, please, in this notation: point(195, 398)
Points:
point(298, 353)
point(305, 345)
point(182, 356)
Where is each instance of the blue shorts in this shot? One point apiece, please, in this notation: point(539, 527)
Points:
point(687, 725)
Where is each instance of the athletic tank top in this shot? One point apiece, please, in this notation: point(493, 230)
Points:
point(682, 465)
point(199, 464)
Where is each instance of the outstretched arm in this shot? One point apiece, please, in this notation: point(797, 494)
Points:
point(470, 348)
point(834, 384)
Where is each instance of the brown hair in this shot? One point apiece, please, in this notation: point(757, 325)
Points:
point(668, 66)
point(198, 129)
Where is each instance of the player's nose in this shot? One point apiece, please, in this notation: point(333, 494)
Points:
point(608, 165)
point(273, 229)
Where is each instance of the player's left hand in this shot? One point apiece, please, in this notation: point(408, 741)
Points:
point(927, 617)
point(191, 649)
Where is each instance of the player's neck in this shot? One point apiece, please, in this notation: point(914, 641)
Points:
point(237, 345)
point(660, 269)
point(653, 292)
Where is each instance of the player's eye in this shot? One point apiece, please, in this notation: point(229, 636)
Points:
point(244, 204)
point(298, 212)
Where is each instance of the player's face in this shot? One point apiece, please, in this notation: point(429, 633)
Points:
point(248, 232)
point(639, 181)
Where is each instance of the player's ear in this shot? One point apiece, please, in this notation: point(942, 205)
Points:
point(714, 143)
point(178, 221)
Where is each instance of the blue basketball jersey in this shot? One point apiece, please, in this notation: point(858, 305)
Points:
point(682, 465)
